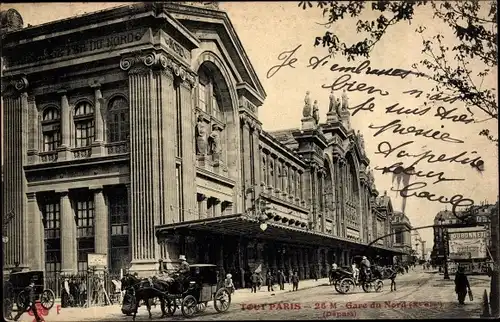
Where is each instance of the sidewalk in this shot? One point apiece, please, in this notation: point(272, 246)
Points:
point(240, 296)
point(244, 295)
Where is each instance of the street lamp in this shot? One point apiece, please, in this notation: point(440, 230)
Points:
point(444, 238)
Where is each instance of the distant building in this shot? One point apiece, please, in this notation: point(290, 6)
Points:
point(402, 239)
point(467, 241)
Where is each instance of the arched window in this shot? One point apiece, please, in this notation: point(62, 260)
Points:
point(84, 124)
point(118, 126)
point(51, 129)
point(209, 99)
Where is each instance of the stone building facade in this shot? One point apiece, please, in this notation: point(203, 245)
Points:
point(133, 132)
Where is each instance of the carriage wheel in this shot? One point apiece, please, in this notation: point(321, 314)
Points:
point(222, 300)
point(367, 286)
point(336, 284)
point(345, 285)
point(21, 299)
point(188, 306)
point(171, 307)
point(201, 307)
point(47, 299)
point(378, 286)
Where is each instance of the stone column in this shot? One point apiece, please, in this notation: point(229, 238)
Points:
point(153, 151)
point(217, 207)
point(306, 263)
point(246, 171)
point(256, 157)
point(63, 150)
point(301, 264)
point(99, 111)
point(188, 174)
point(202, 206)
point(36, 239)
point(15, 142)
point(69, 247)
point(101, 223)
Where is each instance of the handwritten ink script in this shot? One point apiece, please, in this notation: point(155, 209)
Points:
point(436, 106)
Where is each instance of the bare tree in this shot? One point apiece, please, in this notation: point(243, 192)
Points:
point(457, 69)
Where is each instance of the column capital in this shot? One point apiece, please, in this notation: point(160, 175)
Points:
point(15, 85)
point(62, 92)
point(140, 62)
point(31, 196)
point(62, 192)
point(95, 84)
point(96, 188)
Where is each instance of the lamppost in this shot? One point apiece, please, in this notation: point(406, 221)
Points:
point(444, 239)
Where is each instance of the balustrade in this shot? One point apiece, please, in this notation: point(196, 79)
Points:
point(118, 148)
point(82, 153)
point(46, 157)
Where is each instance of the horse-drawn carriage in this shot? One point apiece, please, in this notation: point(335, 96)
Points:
point(192, 293)
point(14, 290)
point(203, 288)
point(344, 280)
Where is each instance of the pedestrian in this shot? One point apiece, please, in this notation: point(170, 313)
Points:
point(269, 281)
point(295, 281)
point(355, 273)
point(29, 302)
point(228, 283)
point(290, 274)
point(461, 285)
point(255, 280)
point(261, 280)
point(281, 280)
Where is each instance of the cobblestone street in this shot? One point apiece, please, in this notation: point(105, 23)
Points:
point(419, 295)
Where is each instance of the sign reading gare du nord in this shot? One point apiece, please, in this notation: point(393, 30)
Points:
point(468, 243)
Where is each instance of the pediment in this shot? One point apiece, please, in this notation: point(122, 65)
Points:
point(210, 25)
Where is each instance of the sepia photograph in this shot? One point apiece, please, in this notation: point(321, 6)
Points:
point(249, 160)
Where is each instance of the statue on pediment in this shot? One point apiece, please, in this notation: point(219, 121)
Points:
point(345, 101)
point(306, 111)
point(201, 140)
point(316, 112)
point(338, 105)
point(332, 106)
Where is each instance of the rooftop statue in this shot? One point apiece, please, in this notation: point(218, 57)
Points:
point(306, 111)
point(345, 100)
point(316, 112)
point(337, 106)
point(332, 106)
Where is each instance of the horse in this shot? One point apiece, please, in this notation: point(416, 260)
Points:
point(383, 273)
point(144, 289)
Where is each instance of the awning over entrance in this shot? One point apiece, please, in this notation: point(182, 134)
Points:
point(249, 226)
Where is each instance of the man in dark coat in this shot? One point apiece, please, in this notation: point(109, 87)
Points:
point(295, 281)
point(29, 302)
point(255, 279)
point(281, 280)
point(461, 285)
point(269, 281)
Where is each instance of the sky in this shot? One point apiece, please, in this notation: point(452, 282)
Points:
point(267, 29)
